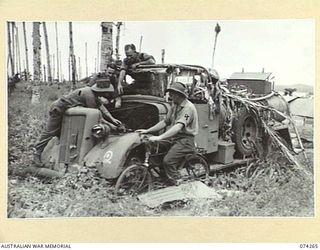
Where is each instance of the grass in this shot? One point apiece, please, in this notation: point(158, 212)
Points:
point(269, 188)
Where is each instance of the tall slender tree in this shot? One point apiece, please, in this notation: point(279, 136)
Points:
point(60, 66)
point(69, 67)
point(118, 40)
point(86, 60)
point(98, 55)
point(106, 45)
point(13, 47)
point(26, 50)
point(79, 68)
point(140, 43)
point(10, 49)
point(72, 58)
point(57, 54)
point(18, 51)
point(217, 30)
point(44, 73)
point(47, 52)
point(53, 65)
point(163, 52)
point(36, 62)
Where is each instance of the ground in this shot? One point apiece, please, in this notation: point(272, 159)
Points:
point(273, 187)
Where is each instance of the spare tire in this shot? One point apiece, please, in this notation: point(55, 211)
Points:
point(245, 132)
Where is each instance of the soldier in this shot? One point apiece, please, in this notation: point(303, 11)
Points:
point(184, 120)
point(90, 97)
point(132, 61)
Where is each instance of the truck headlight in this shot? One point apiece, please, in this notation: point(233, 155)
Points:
point(100, 131)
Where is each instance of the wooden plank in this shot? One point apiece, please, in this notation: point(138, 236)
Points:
point(219, 166)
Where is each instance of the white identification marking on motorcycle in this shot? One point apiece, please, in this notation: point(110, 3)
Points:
point(108, 156)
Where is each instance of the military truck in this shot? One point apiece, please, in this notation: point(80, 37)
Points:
point(145, 103)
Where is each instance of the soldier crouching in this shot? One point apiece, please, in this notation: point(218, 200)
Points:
point(90, 97)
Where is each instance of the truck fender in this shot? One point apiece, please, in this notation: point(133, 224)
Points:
point(110, 159)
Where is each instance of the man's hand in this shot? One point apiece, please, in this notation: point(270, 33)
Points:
point(116, 122)
point(135, 65)
point(142, 131)
point(154, 138)
point(103, 100)
point(112, 127)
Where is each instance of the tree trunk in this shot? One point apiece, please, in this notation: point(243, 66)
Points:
point(72, 58)
point(106, 45)
point(47, 51)
point(163, 52)
point(57, 54)
point(36, 62)
point(118, 40)
point(140, 43)
point(69, 68)
point(54, 66)
point(13, 47)
point(10, 49)
point(86, 61)
point(44, 73)
point(60, 68)
point(98, 55)
point(18, 51)
point(79, 68)
point(26, 51)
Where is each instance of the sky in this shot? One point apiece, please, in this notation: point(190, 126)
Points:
point(284, 47)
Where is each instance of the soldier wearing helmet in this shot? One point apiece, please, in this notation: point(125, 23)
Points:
point(183, 119)
point(90, 97)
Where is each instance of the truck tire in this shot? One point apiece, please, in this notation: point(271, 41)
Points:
point(246, 132)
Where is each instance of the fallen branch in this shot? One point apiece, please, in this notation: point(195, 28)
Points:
point(276, 138)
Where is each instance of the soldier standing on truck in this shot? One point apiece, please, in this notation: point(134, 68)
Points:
point(90, 97)
point(183, 117)
point(132, 61)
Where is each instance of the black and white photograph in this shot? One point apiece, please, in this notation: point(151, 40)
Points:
point(194, 118)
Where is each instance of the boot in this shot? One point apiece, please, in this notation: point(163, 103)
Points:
point(37, 160)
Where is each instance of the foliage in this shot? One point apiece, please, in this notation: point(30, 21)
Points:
point(273, 187)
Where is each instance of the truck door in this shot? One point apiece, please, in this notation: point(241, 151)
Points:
point(207, 138)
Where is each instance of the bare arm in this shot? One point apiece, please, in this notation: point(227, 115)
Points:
point(108, 116)
point(120, 81)
point(121, 76)
point(175, 129)
point(111, 125)
point(149, 61)
point(160, 125)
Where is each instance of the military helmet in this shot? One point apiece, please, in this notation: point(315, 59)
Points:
point(178, 87)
